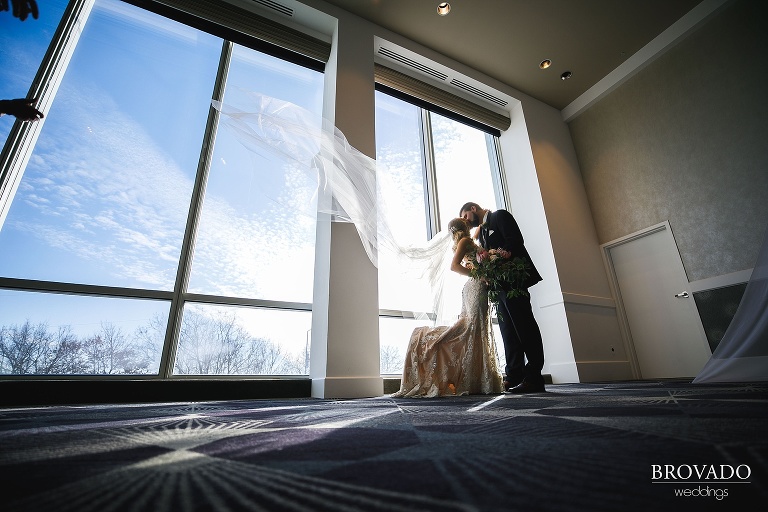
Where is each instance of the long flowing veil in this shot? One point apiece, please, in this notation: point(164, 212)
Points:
point(742, 354)
point(349, 177)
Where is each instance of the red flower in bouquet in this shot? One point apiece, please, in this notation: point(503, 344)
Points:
point(502, 273)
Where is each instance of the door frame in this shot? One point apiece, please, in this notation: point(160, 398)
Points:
point(605, 250)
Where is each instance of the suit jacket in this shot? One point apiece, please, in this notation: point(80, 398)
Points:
point(502, 232)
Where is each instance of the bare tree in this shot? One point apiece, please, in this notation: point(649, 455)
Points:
point(63, 354)
point(191, 356)
point(148, 341)
point(110, 352)
point(17, 346)
point(33, 349)
point(219, 346)
point(391, 360)
point(234, 354)
point(266, 358)
point(296, 364)
point(207, 346)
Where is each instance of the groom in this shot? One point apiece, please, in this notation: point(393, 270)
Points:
point(519, 330)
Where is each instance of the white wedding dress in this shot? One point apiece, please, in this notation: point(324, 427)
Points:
point(459, 359)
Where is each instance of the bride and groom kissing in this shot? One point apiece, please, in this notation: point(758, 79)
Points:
point(460, 359)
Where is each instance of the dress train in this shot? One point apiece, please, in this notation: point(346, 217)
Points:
point(459, 359)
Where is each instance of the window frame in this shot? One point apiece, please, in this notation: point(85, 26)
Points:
point(21, 143)
point(429, 172)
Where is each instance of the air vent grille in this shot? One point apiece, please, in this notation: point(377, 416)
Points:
point(478, 92)
point(412, 63)
point(385, 52)
point(269, 4)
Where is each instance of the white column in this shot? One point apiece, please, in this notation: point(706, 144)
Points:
point(344, 359)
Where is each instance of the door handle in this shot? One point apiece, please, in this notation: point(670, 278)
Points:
point(682, 295)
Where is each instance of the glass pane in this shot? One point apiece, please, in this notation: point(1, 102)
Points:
point(462, 167)
point(230, 340)
point(53, 334)
point(105, 196)
point(401, 194)
point(24, 44)
point(394, 335)
point(257, 229)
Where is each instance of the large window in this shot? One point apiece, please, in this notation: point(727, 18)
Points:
point(127, 249)
point(429, 166)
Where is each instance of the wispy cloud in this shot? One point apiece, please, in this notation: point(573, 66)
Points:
point(265, 251)
point(101, 189)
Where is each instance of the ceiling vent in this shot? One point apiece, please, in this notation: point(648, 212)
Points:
point(274, 6)
point(478, 92)
point(384, 52)
point(402, 59)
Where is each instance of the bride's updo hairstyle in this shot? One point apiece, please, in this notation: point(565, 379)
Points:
point(458, 228)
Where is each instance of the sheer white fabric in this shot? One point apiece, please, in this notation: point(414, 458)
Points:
point(271, 127)
point(742, 354)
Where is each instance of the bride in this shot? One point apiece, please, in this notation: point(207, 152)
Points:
point(459, 359)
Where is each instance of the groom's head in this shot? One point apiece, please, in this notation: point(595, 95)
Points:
point(472, 213)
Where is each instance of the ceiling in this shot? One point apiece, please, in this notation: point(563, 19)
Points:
point(507, 39)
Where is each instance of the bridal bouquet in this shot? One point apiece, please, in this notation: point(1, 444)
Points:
point(502, 272)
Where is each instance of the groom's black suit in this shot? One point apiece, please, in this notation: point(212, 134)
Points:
point(519, 330)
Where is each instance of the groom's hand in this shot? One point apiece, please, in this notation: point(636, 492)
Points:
point(21, 108)
point(21, 8)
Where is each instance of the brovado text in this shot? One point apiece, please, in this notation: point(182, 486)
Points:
point(683, 472)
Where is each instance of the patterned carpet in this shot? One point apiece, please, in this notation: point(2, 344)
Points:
point(577, 447)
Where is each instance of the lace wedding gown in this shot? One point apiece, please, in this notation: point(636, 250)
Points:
point(454, 360)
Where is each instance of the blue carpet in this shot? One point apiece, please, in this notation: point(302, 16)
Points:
point(629, 446)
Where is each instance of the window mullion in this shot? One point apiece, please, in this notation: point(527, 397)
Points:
point(497, 175)
point(431, 202)
point(173, 330)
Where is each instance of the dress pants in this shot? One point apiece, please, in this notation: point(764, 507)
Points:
point(522, 340)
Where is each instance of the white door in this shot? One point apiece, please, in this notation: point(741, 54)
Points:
point(652, 288)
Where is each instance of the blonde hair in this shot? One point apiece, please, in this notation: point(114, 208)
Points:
point(459, 229)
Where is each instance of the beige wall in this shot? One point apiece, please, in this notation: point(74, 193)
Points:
point(582, 289)
point(686, 140)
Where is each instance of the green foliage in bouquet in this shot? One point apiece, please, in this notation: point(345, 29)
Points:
point(502, 273)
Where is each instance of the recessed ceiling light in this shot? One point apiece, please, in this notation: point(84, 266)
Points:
point(545, 64)
point(566, 75)
point(443, 8)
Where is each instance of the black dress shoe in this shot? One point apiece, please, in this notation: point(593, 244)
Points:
point(509, 385)
point(526, 387)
